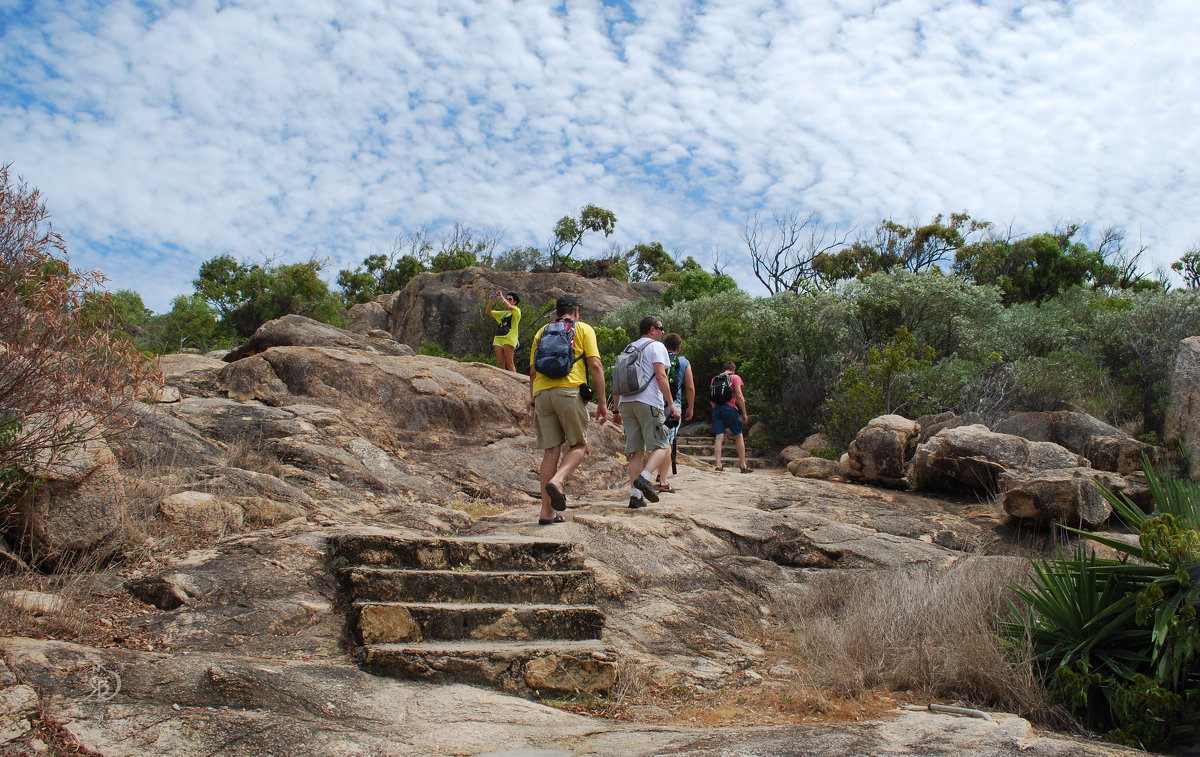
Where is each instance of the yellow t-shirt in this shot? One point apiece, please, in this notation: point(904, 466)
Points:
point(585, 344)
point(509, 338)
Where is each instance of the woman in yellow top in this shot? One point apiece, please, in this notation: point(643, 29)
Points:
point(503, 308)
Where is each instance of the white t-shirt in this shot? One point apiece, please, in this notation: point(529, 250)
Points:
point(656, 352)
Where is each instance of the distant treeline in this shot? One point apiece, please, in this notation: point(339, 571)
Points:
point(949, 315)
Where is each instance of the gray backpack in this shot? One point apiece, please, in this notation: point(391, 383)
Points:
point(628, 376)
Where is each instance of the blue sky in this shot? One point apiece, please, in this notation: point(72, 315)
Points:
point(164, 133)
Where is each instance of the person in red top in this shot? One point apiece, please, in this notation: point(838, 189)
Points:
point(730, 415)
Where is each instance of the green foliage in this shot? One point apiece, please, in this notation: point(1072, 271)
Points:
point(570, 231)
point(248, 295)
point(1059, 381)
point(1033, 269)
point(191, 323)
point(940, 312)
point(795, 357)
point(377, 275)
point(1118, 640)
point(896, 248)
point(691, 282)
point(649, 261)
point(521, 259)
point(874, 387)
point(453, 260)
point(1188, 267)
point(433, 350)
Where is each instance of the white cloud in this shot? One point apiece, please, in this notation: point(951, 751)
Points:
point(164, 134)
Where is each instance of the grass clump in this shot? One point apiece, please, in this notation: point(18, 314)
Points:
point(929, 633)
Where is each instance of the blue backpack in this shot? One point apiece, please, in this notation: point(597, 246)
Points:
point(555, 355)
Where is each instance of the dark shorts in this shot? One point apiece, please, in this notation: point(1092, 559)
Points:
point(726, 417)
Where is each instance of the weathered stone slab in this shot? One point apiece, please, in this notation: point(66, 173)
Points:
point(406, 622)
point(396, 585)
point(433, 553)
point(525, 668)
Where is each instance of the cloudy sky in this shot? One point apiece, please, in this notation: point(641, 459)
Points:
point(164, 132)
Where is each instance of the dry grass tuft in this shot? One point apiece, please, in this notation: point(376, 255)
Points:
point(244, 453)
point(932, 633)
point(476, 507)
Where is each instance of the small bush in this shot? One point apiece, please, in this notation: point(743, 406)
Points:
point(66, 370)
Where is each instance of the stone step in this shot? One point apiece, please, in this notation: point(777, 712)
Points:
point(731, 461)
point(407, 622)
point(519, 667)
point(449, 553)
point(366, 583)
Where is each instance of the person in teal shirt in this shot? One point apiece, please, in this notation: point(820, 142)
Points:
point(503, 308)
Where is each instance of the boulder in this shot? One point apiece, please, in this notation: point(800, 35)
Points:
point(1183, 412)
point(447, 308)
point(931, 424)
point(35, 602)
point(368, 316)
point(1068, 496)
point(202, 513)
point(810, 444)
point(78, 509)
point(392, 400)
point(971, 459)
point(298, 331)
point(814, 467)
point(880, 452)
point(1106, 447)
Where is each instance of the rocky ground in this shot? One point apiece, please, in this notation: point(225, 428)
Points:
point(256, 660)
point(221, 630)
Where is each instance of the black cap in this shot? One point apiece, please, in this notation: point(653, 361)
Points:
point(567, 302)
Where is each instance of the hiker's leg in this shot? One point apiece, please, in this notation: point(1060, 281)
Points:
point(717, 440)
point(664, 469)
point(499, 350)
point(545, 472)
point(659, 460)
point(508, 352)
point(635, 465)
point(741, 449)
point(570, 462)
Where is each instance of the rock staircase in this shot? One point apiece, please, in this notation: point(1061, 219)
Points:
point(514, 613)
point(701, 448)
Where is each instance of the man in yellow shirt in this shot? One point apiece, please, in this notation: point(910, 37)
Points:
point(556, 406)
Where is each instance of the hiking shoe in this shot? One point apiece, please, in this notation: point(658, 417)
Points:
point(636, 502)
point(646, 486)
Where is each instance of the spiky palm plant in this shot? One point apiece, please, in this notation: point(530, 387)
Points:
point(1118, 640)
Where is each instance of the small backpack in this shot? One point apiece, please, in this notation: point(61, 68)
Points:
point(555, 355)
point(504, 325)
point(673, 374)
point(628, 376)
point(720, 390)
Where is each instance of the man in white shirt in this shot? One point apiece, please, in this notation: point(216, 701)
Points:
point(642, 415)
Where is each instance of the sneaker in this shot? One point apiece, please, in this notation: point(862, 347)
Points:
point(636, 502)
point(646, 486)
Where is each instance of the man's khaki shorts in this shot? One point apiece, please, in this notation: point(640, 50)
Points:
point(644, 429)
point(561, 415)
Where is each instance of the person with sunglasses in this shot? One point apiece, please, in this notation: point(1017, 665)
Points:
point(503, 308)
point(643, 414)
